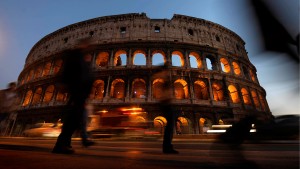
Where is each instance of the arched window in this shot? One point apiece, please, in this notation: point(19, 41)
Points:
point(102, 59)
point(37, 96)
point(139, 57)
point(246, 96)
point(47, 69)
point(246, 72)
point(57, 66)
point(262, 102)
point(252, 75)
point(177, 59)
point(195, 60)
point(225, 65)
point(98, 90)
point(217, 91)
point(61, 96)
point(209, 64)
point(118, 89)
point(138, 88)
point(236, 68)
point(157, 88)
point(38, 72)
point(201, 91)
point(27, 98)
point(48, 94)
point(233, 94)
point(158, 58)
point(30, 76)
point(255, 99)
point(120, 58)
point(181, 89)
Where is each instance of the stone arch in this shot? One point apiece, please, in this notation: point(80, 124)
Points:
point(37, 96)
point(195, 60)
point(120, 58)
point(157, 88)
point(159, 123)
point(218, 93)
point(234, 95)
point(177, 59)
point(38, 72)
point(246, 72)
point(27, 98)
point(117, 89)
point(61, 96)
point(255, 99)
point(47, 69)
point(97, 91)
point(139, 88)
point(201, 90)
point(30, 75)
point(246, 97)
point(158, 58)
point(102, 59)
point(252, 76)
point(57, 66)
point(139, 57)
point(49, 94)
point(236, 68)
point(181, 90)
point(205, 123)
point(225, 65)
point(262, 101)
point(211, 63)
point(182, 125)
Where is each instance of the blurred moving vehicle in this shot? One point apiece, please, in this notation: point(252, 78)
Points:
point(284, 127)
point(44, 130)
point(124, 121)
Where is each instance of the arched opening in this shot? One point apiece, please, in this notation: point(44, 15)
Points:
point(177, 59)
point(37, 96)
point(48, 94)
point(233, 94)
point(158, 58)
point(218, 91)
point(47, 69)
point(262, 102)
point(195, 60)
point(201, 90)
point(255, 99)
point(252, 75)
point(236, 68)
point(209, 64)
point(204, 124)
point(246, 96)
point(246, 73)
point(157, 88)
point(139, 88)
point(57, 66)
point(61, 96)
point(160, 123)
point(182, 126)
point(27, 98)
point(120, 58)
point(139, 57)
point(97, 90)
point(225, 65)
point(118, 89)
point(181, 89)
point(102, 59)
point(30, 76)
point(38, 72)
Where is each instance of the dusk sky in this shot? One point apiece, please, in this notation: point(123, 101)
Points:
point(24, 23)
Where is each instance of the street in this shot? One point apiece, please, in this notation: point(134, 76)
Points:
point(26, 153)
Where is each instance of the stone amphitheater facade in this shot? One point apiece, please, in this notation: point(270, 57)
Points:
point(212, 76)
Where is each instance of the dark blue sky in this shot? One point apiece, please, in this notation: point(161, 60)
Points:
point(23, 23)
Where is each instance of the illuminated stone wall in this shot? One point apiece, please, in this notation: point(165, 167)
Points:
point(213, 80)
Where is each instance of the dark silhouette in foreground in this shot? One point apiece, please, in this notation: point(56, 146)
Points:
point(77, 80)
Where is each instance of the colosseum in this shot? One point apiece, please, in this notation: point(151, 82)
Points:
point(213, 80)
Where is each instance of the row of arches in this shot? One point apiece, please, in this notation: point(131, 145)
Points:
point(121, 58)
point(139, 88)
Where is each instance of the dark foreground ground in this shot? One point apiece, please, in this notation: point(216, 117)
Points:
point(25, 153)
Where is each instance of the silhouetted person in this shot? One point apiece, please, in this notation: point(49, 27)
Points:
point(77, 79)
point(166, 108)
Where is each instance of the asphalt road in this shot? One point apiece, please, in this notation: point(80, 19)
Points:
point(24, 153)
